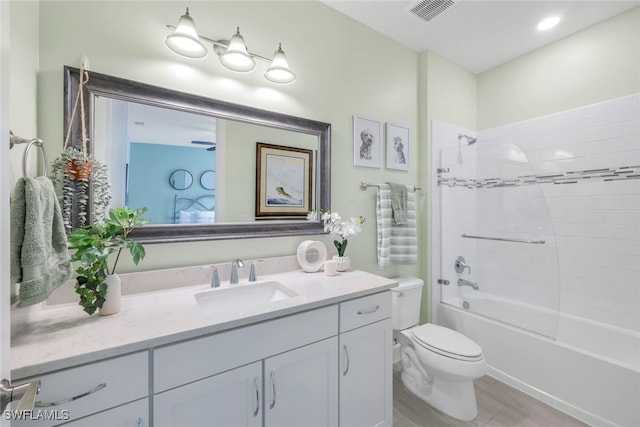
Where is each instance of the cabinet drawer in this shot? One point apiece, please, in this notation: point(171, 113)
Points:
point(362, 311)
point(134, 414)
point(73, 393)
point(180, 363)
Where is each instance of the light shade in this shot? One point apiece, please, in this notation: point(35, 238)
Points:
point(236, 57)
point(279, 71)
point(184, 41)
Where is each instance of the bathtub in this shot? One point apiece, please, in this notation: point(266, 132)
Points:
point(590, 370)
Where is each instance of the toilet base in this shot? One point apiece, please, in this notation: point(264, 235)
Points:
point(456, 399)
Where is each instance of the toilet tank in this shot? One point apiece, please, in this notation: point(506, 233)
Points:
point(406, 298)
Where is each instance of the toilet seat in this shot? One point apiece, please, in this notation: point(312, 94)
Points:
point(447, 342)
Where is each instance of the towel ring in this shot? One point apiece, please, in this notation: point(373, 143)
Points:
point(38, 143)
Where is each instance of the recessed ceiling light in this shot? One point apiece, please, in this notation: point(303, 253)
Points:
point(548, 23)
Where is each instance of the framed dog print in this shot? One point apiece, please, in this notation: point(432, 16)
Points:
point(397, 147)
point(367, 142)
point(283, 180)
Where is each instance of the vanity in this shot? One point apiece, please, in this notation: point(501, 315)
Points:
point(318, 355)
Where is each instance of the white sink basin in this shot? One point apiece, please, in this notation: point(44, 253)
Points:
point(242, 297)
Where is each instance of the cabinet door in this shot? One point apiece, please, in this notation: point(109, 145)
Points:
point(366, 365)
point(301, 386)
point(134, 414)
point(232, 398)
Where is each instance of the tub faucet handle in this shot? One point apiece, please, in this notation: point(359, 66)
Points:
point(461, 265)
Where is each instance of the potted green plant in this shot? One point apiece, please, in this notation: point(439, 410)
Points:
point(96, 283)
point(78, 177)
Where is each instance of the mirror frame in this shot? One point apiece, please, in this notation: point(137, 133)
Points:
point(129, 90)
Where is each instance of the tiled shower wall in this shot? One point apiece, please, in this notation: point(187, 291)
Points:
point(571, 179)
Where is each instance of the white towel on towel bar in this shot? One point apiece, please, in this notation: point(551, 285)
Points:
point(397, 244)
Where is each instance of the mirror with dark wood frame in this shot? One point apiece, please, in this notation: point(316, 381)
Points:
point(102, 85)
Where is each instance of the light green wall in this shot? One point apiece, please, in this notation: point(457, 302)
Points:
point(599, 63)
point(343, 68)
point(346, 69)
point(448, 93)
point(22, 74)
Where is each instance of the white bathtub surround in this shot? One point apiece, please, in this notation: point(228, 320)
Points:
point(587, 386)
point(572, 180)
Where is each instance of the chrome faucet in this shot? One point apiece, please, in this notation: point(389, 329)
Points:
point(252, 274)
point(474, 285)
point(234, 270)
point(215, 278)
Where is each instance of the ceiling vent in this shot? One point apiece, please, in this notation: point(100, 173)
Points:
point(427, 10)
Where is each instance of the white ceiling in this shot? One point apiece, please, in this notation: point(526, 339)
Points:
point(480, 34)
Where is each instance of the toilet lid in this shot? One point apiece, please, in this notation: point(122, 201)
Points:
point(447, 342)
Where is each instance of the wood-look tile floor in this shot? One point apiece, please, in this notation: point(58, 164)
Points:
point(499, 405)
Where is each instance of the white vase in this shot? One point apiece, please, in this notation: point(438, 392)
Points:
point(112, 299)
point(344, 262)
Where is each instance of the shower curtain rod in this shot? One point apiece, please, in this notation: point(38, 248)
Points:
point(365, 185)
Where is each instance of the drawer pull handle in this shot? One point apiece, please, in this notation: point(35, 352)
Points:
point(273, 390)
point(139, 424)
point(71, 399)
point(255, 383)
point(369, 310)
point(346, 352)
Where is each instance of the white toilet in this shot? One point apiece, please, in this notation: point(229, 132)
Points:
point(438, 364)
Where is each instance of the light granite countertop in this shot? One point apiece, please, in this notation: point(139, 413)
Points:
point(62, 335)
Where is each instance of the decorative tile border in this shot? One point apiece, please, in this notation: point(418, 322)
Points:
point(612, 174)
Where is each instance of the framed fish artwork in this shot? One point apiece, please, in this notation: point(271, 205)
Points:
point(284, 178)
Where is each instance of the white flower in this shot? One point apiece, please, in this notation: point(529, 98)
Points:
point(334, 224)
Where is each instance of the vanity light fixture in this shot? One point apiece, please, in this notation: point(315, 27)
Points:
point(236, 57)
point(233, 53)
point(185, 41)
point(279, 71)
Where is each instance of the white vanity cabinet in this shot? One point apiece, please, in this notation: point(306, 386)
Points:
point(301, 386)
point(232, 398)
point(134, 414)
point(71, 395)
point(366, 362)
point(276, 373)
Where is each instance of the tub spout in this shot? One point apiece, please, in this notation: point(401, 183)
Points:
point(474, 285)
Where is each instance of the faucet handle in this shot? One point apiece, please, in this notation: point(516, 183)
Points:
point(234, 270)
point(252, 274)
point(461, 265)
point(215, 278)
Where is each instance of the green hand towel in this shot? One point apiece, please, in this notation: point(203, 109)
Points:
point(398, 203)
point(40, 259)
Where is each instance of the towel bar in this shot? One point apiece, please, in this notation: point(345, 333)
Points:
point(365, 185)
point(14, 140)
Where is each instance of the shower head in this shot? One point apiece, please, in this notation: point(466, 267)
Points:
point(470, 140)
